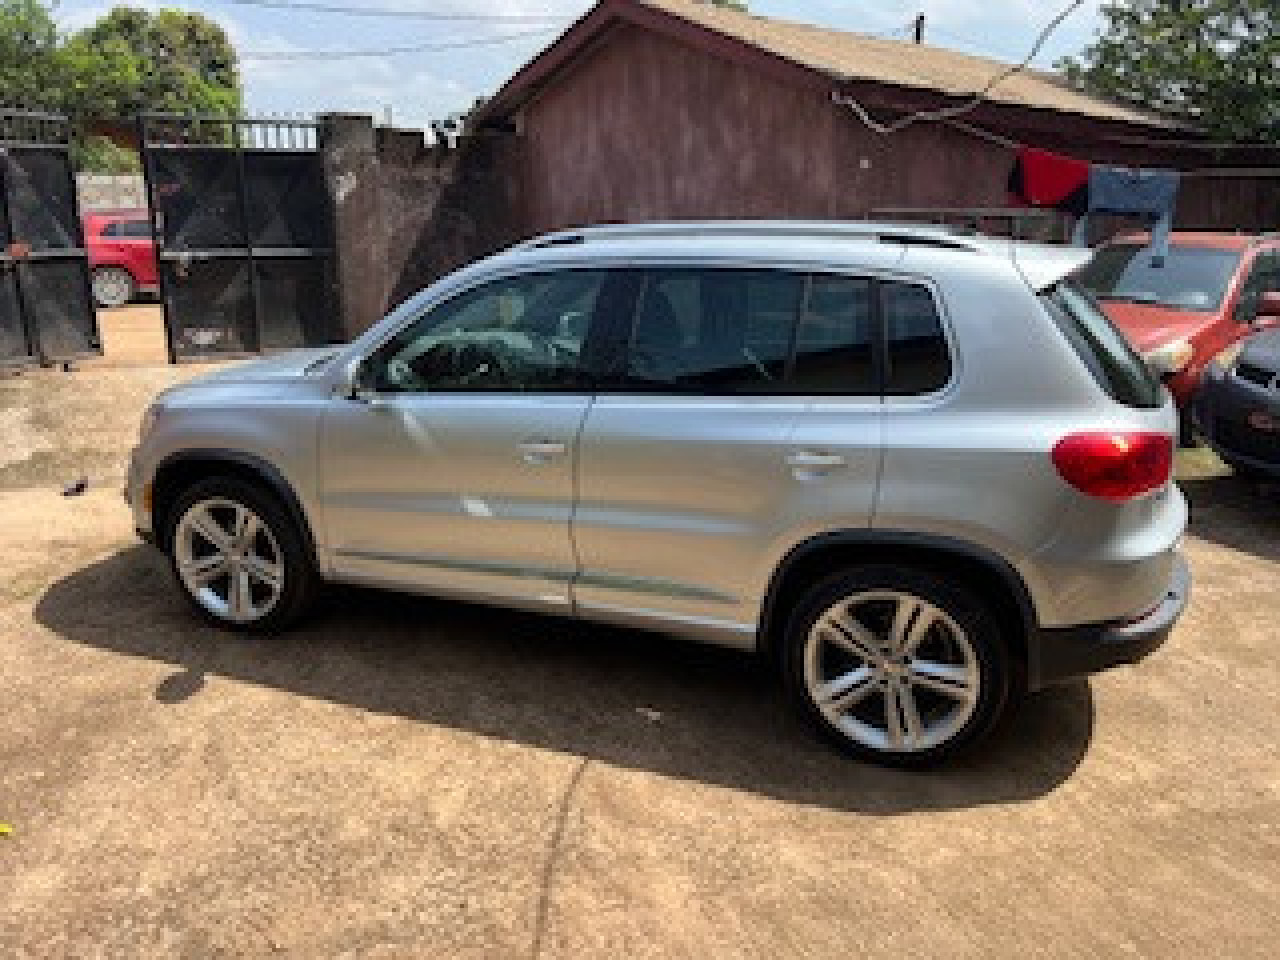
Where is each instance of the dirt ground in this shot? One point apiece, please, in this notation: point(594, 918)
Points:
point(132, 336)
point(415, 778)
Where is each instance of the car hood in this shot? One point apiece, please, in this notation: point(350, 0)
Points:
point(278, 366)
point(1263, 350)
point(1148, 326)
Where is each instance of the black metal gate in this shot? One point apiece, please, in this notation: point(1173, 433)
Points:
point(46, 310)
point(243, 232)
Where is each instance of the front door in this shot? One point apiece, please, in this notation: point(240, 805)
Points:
point(452, 469)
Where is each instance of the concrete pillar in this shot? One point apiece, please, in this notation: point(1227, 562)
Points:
point(350, 160)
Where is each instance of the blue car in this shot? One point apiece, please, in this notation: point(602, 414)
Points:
point(1237, 408)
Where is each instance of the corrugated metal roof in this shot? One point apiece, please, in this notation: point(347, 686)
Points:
point(855, 56)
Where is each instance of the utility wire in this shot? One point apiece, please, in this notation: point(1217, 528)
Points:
point(353, 11)
point(393, 51)
point(950, 113)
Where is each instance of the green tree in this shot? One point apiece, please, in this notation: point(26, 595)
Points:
point(30, 59)
point(132, 61)
point(1215, 63)
point(731, 4)
point(129, 61)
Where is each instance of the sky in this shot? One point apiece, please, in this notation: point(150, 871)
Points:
point(414, 89)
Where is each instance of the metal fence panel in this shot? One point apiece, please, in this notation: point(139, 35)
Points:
point(209, 306)
point(14, 346)
point(286, 205)
point(197, 192)
point(56, 300)
point(41, 194)
point(295, 308)
point(46, 311)
point(243, 232)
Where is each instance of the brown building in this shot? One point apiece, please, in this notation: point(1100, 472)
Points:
point(653, 109)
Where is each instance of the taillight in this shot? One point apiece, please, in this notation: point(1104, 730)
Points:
point(1115, 465)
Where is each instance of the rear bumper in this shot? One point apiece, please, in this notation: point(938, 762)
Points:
point(1058, 654)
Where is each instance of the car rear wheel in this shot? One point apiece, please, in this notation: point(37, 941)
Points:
point(239, 556)
point(113, 286)
point(896, 665)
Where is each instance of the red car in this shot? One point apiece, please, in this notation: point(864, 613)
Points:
point(122, 256)
point(1213, 289)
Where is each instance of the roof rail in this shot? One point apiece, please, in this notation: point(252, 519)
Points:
point(905, 233)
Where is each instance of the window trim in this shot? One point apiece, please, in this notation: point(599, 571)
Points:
point(612, 333)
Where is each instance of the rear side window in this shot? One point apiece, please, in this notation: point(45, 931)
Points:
point(135, 228)
point(714, 331)
point(918, 359)
point(1115, 366)
point(835, 340)
point(127, 228)
point(733, 331)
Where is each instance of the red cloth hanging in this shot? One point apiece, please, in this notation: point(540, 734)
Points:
point(1044, 179)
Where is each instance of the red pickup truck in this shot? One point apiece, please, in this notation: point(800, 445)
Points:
point(122, 256)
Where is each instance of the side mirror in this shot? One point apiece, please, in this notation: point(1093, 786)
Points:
point(350, 387)
point(1269, 306)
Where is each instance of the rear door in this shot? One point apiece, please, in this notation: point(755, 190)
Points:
point(745, 414)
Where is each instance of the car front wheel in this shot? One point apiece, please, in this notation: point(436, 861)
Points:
point(896, 665)
point(239, 556)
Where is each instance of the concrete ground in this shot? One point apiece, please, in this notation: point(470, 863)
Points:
point(415, 778)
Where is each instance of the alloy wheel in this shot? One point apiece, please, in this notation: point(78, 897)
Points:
point(891, 671)
point(229, 560)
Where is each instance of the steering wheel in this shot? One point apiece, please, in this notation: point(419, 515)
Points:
point(480, 363)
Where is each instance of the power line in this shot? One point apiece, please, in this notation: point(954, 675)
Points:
point(351, 11)
point(950, 113)
point(393, 51)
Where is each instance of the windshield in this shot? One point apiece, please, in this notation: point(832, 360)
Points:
point(1192, 278)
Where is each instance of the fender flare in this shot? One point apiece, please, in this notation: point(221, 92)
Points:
point(937, 545)
point(267, 471)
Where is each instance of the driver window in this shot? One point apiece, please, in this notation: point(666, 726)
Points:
point(517, 334)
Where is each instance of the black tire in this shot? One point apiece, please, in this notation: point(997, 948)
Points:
point(301, 581)
point(113, 286)
point(965, 610)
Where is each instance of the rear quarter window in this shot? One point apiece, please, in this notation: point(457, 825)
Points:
point(917, 358)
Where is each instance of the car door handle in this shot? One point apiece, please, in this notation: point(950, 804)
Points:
point(540, 451)
point(814, 460)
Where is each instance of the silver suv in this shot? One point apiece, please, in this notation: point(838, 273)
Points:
point(919, 469)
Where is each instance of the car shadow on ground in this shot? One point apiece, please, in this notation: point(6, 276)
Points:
point(620, 697)
point(1235, 513)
